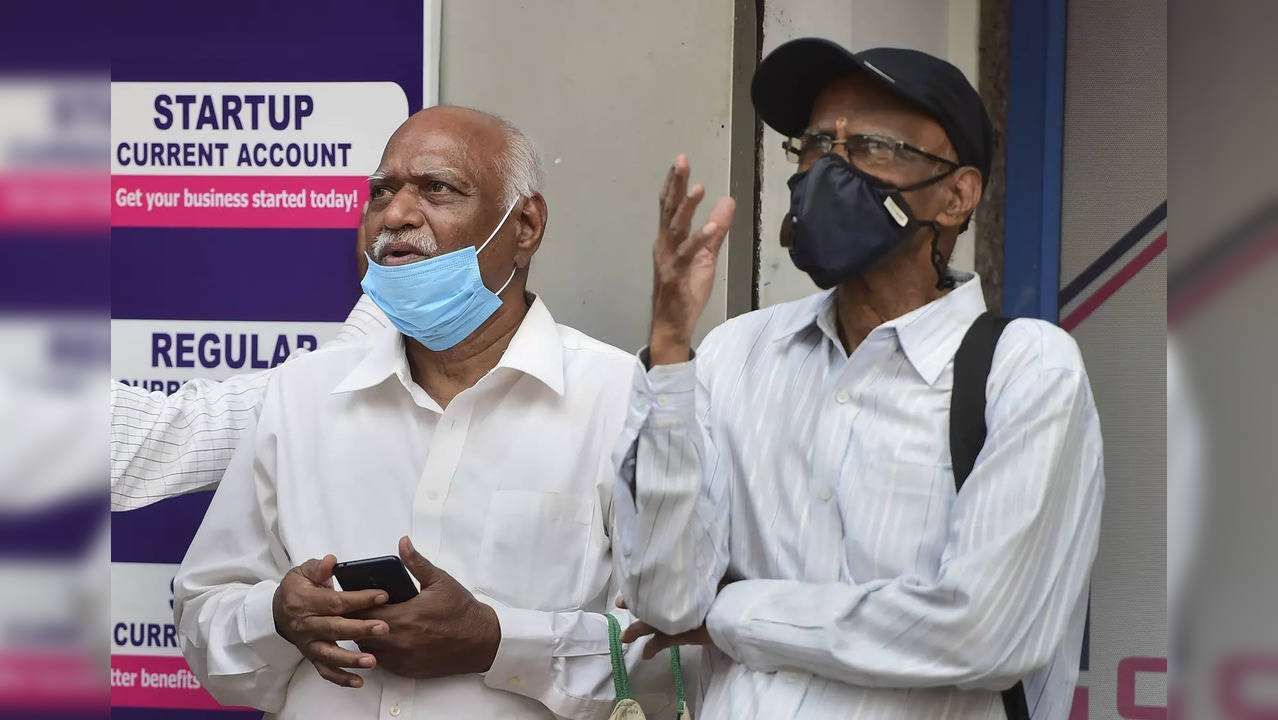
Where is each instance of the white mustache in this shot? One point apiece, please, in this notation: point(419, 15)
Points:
point(420, 241)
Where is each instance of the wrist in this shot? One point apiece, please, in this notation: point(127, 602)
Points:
point(488, 639)
point(277, 616)
point(666, 347)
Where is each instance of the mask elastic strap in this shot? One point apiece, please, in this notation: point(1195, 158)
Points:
point(507, 283)
point(943, 279)
point(494, 232)
point(930, 181)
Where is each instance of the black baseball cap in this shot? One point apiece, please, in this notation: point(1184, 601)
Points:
point(787, 83)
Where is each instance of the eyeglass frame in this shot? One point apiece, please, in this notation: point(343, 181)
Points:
point(896, 145)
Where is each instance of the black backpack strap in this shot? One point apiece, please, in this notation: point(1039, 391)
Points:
point(967, 399)
point(967, 432)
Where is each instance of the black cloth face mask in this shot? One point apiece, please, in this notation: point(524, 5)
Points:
point(843, 220)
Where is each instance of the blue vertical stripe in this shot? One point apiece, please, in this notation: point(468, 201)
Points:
point(1035, 130)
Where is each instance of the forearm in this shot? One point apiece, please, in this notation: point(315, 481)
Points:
point(672, 534)
point(163, 446)
point(1025, 530)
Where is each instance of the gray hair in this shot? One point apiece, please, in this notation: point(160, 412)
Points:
point(519, 165)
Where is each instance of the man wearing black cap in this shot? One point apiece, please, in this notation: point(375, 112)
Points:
point(878, 501)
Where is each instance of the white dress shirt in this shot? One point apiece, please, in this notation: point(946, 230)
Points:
point(821, 482)
point(167, 445)
point(509, 489)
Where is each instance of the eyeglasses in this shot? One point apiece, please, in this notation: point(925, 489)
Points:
point(868, 152)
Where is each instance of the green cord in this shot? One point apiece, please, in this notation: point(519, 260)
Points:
point(621, 680)
point(678, 676)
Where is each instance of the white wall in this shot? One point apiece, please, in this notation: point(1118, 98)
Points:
point(610, 92)
point(945, 28)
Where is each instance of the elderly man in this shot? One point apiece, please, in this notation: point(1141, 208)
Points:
point(475, 432)
point(793, 485)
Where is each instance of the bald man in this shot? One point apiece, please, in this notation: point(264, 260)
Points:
point(471, 438)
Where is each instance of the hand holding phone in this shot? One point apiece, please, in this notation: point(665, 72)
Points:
point(380, 573)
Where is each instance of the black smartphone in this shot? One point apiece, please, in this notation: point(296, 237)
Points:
point(380, 573)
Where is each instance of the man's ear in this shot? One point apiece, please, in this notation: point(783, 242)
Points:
point(531, 227)
point(964, 193)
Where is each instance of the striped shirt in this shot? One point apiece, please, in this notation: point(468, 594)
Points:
point(820, 482)
point(167, 445)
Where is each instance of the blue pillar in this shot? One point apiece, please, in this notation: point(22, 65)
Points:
point(1035, 128)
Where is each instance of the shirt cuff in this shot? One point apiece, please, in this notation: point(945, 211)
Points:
point(728, 614)
point(668, 391)
point(259, 627)
point(524, 655)
point(645, 357)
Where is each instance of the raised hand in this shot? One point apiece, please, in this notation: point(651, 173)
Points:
point(683, 264)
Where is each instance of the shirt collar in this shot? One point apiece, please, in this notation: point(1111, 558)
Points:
point(929, 335)
point(536, 350)
point(809, 312)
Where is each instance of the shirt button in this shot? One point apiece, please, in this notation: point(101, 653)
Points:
point(394, 711)
point(826, 493)
point(514, 681)
point(432, 495)
point(662, 400)
point(841, 397)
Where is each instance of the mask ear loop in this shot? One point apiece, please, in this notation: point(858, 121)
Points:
point(507, 283)
point(943, 279)
point(490, 239)
point(493, 234)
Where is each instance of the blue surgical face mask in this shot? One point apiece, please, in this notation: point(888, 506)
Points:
point(438, 301)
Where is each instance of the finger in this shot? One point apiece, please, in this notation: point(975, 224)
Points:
point(664, 200)
point(636, 630)
point(722, 212)
point(678, 228)
point(720, 216)
point(710, 235)
point(658, 643)
point(679, 184)
point(335, 656)
point(702, 238)
point(341, 678)
point(419, 566)
point(621, 603)
point(340, 628)
point(325, 601)
point(319, 572)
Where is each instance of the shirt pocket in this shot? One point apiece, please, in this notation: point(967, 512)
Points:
point(534, 547)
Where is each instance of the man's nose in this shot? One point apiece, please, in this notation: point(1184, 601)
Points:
point(840, 137)
point(404, 210)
